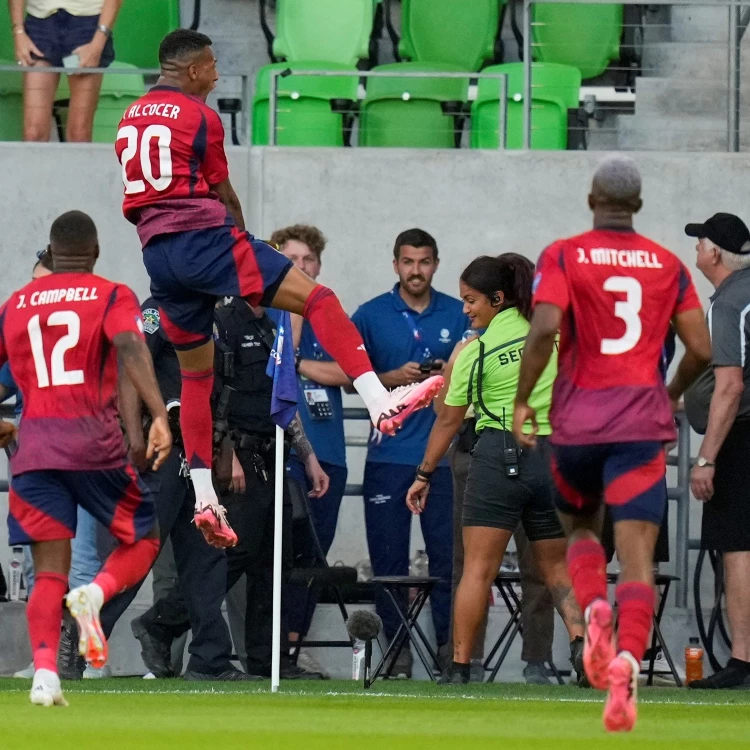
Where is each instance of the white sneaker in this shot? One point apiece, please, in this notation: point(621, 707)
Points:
point(661, 665)
point(84, 604)
point(46, 690)
point(26, 674)
point(92, 673)
point(309, 663)
point(388, 415)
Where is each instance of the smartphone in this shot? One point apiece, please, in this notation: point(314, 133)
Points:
point(427, 367)
point(72, 61)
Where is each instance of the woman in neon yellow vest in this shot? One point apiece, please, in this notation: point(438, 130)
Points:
point(505, 485)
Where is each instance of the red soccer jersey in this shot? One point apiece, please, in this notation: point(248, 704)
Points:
point(618, 292)
point(171, 148)
point(57, 334)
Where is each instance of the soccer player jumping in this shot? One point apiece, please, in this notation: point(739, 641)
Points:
point(195, 249)
point(611, 293)
point(63, 335)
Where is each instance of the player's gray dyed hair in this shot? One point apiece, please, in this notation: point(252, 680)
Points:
point(617, 178)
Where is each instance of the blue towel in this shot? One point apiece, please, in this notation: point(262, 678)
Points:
point(281, 369)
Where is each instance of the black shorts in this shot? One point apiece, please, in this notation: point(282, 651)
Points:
point(497, 501)
point(59, 34)
point(726, 517)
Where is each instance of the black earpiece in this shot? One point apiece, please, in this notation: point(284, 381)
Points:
point(496, 299)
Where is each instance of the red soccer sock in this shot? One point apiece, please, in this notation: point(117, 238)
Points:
point(587, 565)
point(635, 608)
point(126, 566)
point(195, 418)
point(44, 613)
point(336, 333)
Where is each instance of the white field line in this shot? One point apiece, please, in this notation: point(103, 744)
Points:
point(369, 694)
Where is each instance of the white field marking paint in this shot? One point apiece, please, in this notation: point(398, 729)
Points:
point(416, 696)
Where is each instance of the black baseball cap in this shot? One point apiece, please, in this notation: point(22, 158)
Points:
point(725, 230)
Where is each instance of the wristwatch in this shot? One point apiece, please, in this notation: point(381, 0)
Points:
point(105, 30)
point(703, 462)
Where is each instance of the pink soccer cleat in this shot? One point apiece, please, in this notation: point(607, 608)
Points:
point(598, 645)
point(404, 401)
point(85, 603)
point(621, 711)
point(211, 519)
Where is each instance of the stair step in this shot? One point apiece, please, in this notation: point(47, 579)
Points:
point(667, 96)
point(703, 61)
point(655, 133)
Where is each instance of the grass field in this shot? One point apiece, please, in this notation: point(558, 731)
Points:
point(140, 715)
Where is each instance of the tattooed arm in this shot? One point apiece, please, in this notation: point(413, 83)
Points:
point(318, 478)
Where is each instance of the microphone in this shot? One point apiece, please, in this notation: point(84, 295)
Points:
point(363, 627)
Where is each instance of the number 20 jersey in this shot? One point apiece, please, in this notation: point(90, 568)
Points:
point(171, 148)
point(57, 334)
point(618, 291)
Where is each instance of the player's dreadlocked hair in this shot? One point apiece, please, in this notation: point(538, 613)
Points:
point(181, 43)
point(509, 273)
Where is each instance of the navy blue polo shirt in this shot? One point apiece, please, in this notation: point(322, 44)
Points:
point(394, 334)
point(320, 406)
point(6, 379)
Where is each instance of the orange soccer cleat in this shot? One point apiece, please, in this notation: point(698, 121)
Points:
point(211, 519)
point(598, 646)
point(85, 603)
point(621, 711)
point(405, 400)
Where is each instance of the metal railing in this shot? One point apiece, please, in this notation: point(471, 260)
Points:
point(680, 493)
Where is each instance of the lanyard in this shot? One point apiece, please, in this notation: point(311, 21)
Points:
point(416, 333)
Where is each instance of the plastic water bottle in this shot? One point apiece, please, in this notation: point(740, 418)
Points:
point(419, 568)
point(693, 661)
point(16, 574)
point(358, 660)
point(364, 571)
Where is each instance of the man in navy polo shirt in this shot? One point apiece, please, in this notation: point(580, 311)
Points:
point(409, 333)
point(319, 398)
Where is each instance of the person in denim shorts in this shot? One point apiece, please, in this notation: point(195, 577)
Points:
point(52, 31)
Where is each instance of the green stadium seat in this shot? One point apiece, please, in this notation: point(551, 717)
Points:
point(411, 112)
point(119, 91)
point(140, 27)
point(11, 105)
point(336, 31)
point(305, 115)
point(457, 32)
point(7, 47)
point(554, 90)
point(586, 36)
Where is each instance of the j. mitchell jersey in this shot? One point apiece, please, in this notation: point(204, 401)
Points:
point(57, 334)
point(618, 292)
point(171, 148)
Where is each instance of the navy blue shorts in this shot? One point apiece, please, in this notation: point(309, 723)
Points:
point(629, 477)
point(44, 504)
point(189, 271)
point(59, 34)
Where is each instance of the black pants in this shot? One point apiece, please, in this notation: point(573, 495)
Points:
point(251, 515)
point(202, 572)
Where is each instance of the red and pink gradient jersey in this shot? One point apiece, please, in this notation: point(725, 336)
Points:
point(57, 334)
point(618, 291)
point(171, 148)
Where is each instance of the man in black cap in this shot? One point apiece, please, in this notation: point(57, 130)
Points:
point(718, 406)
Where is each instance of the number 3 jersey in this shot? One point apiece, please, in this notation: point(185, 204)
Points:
point(57, 335)
point(618, 291)
point(171, 148)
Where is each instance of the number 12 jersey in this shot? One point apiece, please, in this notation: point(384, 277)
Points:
point(618, 291)
point(57, 334)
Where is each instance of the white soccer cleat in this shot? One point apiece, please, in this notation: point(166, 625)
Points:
point(389, 416)
point(85, 603)
point(46, 690)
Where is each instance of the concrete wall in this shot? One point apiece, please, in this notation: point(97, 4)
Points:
point(472, 202)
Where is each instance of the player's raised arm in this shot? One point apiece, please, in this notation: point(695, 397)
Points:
point(693, 332)
point(536, 354)
point(228, 197)
point(136, 361)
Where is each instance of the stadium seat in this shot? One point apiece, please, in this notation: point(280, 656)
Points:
point(140, 27)
point(586, 36)
point(412, 112)
point(119, 90)
point(7, 47)
point(554, 90)
point(457, 32)
point(311, 110)
point(336, 31)
point(11, 105)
